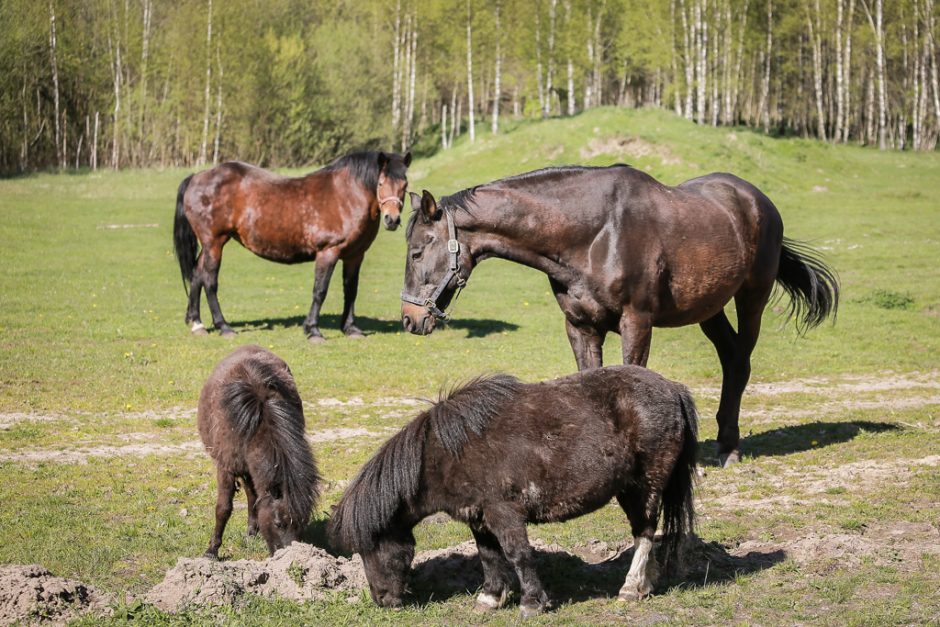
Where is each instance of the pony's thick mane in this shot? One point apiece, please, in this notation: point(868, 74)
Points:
point(264, 404)
point(364, 166)
point(393, 474)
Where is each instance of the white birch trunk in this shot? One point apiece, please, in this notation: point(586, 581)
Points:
point(931, 51)
point(59, 150)
point(549, 79)
point(470, 75)
point(396, 73)
point(764, 106)
point(847, 82)
point(203, 147)
point(815, 37)
point(494, 124)
point(144, 62)
point(444, 143)
point(688, 36)
point(94, 145)
point(877, 27)
point(218, 102)
point(538, 58)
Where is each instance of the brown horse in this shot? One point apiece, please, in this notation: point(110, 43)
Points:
point(624, 253)
point(325, 216)
point(251, 422)
point(497, 454)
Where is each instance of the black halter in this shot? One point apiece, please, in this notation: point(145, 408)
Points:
point(453, 249)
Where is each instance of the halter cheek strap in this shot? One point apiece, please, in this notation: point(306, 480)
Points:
point(453, 250)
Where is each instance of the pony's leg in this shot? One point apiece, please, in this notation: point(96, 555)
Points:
point(497, 571)
point(209, 263)
point(223, 510)
point(636, 333)
point(509, 529)
point(350, 289)
point(326, 261)
point(641, 509)
point(587, 344)
point(252, 499)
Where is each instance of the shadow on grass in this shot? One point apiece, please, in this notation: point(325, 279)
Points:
point(799, 438)
point(571, 578)
point(474, 327)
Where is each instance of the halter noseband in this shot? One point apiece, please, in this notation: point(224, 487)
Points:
point(390, 199)
point(453, 249)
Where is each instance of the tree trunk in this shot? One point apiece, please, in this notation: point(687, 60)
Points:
point(847, 83)
point(59, 150)
point(94, 145)
point(496, 79)
point(763, 109)
point(218, 102)
point(444, 143)
point(144, 62)
point(470, 75)
point(117, 78)
point(688, 37)
point(205, 117)
point(549, 79)
point(538, 57)
point(396, 71)
point(815, 37)
point(877, 27)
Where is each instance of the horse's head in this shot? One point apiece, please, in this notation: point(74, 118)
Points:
point(393, 183)
point(277, 525)
point(436, 266)
point(386, 567)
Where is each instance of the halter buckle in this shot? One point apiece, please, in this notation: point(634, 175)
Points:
point(453, 246)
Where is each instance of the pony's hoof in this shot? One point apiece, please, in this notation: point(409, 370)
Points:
point(198, 329)
point(252, 531)
point(486, 602)
point(227, 332)
point(316, 339)
point(528, 611)
point(212, 555)
point(729, 459)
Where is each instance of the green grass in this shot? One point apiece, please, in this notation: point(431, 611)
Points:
point(92, 341)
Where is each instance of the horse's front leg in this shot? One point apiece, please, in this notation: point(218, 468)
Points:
point(497, 572)
point(509, 529)
point(350, 290)
point(223, 510)
point(325, 262)
point(587, 344)
point(636, 333)
point(252, 500)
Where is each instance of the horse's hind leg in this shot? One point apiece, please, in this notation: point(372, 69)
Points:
point(193, 315)
point(207, 271)
point(223, 510)
point(497, 571)
point(350, 290)
point(642, 510)
point(325, 262)
point(252, 514)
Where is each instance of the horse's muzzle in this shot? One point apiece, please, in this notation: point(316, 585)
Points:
point(391, 223)
point(416, 319)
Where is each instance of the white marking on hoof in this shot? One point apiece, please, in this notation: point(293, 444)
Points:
point(486, 602)
point(198, 329)
point(637, 585)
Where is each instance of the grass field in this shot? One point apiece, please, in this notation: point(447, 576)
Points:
point(831, 518)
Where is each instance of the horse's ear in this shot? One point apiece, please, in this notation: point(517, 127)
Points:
point(429, 206)
point(415, 201)
point(407, 158)
point(383, 161)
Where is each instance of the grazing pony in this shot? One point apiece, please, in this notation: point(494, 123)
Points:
point(624, 253)
point(325, 216)
point(498, 454)
point(251, 422)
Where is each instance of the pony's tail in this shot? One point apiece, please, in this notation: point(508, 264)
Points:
point(678, 503)
point(248, 399)
point(184, 238)
point(812, 285)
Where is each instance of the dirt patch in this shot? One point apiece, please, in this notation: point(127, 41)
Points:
point(82, 455)
point(300, 572)
point(32, 593)
point(620, 147)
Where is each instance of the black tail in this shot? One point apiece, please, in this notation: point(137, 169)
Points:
point(678, 503)
point(812, 285)
point(184, 238)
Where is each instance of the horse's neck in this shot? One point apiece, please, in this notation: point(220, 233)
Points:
point(506, 231)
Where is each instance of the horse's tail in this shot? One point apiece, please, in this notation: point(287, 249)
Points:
point(678, 503)
point(812, 285)
point(184, 238)
point(263, 395)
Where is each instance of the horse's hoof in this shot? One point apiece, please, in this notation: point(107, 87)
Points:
point(198, 329)
point(252, 531)
point(729, 459)
point(227, 332)
point(355, 334)
point(212, 555)
point(486, 602)
point(316, 339)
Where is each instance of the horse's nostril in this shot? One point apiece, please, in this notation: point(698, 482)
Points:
point(406, 322)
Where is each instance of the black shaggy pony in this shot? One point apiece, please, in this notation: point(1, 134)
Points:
point(251, 422)
point(498, 454)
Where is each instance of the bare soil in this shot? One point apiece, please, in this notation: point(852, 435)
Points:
point(32, 594)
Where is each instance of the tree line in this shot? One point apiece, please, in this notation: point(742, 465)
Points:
point(138, 83)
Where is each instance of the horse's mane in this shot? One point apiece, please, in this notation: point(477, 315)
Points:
point(264, 404)
point(464, 199)
point(364, 166)
point(393, 474)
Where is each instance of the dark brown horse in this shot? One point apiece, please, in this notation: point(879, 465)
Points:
point(251, 422)
point(498, 454)
point(325, 216)
point(625, 253)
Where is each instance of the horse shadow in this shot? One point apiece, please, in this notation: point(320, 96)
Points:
point(571, 578)
point(799, 438)
point(475, 328)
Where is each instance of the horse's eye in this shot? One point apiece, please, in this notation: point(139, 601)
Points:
point(416, 254)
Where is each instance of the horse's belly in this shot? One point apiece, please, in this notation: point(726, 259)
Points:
point(691, 295)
